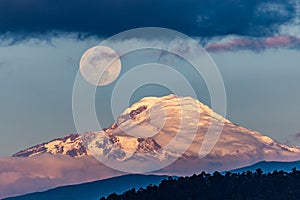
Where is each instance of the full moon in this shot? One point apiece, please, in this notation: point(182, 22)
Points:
point(100, 65)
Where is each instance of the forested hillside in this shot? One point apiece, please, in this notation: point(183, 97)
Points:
point(246, 185)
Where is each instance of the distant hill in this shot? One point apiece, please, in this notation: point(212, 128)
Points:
point(269, 166)
point(94, 190)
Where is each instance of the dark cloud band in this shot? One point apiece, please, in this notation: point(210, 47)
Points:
point(103, 18)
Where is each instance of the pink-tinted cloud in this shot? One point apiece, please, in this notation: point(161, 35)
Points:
point(25, 175)
point(255, 44)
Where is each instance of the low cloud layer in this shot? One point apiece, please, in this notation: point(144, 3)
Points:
point(25, 175)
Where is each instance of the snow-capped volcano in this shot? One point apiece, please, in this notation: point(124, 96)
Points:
point(148, 129)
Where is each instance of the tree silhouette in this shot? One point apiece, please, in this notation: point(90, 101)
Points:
point(233, 186)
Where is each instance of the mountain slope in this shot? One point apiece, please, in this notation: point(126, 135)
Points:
point(70, 145)
point(147, 130)
point(94, 190)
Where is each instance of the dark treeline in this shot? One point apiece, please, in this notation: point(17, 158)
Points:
point(247, 185)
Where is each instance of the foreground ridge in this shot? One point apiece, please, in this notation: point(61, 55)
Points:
point(247, 185)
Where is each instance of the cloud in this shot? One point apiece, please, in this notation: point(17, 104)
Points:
point(254, 44)
point(32, 18)
point(25, 175)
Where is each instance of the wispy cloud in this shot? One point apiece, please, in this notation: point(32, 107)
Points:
point(255, 44)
